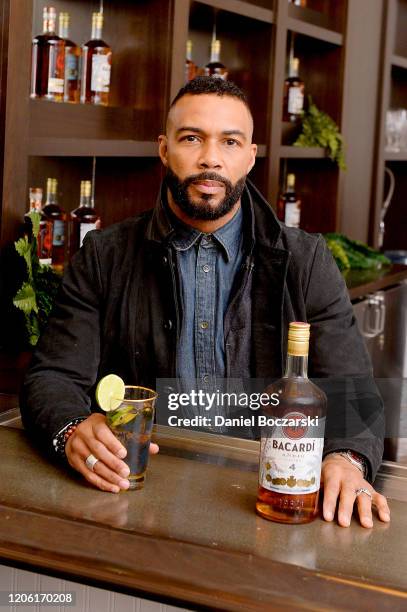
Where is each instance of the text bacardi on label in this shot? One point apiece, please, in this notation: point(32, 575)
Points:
point(291, 454)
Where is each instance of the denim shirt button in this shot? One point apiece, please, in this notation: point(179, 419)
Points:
point(204, 324)
point(205, 378)
point(206, 268)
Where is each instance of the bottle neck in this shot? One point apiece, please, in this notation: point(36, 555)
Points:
point(51, 198)
point(294, 71)
point(97, 31)
point(63, 31)
point(48, 26)
point(86, 200)
point(296, 366)
point(215, 55)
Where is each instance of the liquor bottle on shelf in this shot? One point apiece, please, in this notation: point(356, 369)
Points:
point(215, 68)
point(72, 57)
point(291, 446)
point(191, 69)
point(57, 216)
point(96, 66)
point(83, 219)
point(293, 93)
point(48, 61)
point(44, 237)
point(289, 204)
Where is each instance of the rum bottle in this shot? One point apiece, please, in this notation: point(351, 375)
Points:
point(44, 237)
point(293, 440)
point(293, 93)
point(83, 219)
point(96, 66)
point(72, 57)
point(48, 61)
point(57, 216)
point(191, 69)
point(215, 68)
point(289, 204)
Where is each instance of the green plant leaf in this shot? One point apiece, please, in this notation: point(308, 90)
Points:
point(25, 299)
point(23, 248)
point(35, 220)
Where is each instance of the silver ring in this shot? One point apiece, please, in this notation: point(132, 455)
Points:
point(362, 490)
point(91, 461)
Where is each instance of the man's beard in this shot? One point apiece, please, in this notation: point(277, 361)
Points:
point(202, 209)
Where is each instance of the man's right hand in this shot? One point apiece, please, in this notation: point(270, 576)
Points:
point(93, 437)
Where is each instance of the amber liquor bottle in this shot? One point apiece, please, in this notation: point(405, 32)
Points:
point(293, 105)
point(72, 57)
point(57, 216)
point(289, 204)
point(83, 219)
point(96, 66)
point(48, 61)
point(215, 68)
point(292, 442)
point(44, 237)
point(191, 69)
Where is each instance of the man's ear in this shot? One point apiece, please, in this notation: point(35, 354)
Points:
point(252, 157)
point(163, 149)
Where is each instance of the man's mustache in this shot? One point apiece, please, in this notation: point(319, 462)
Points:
point(207, 176)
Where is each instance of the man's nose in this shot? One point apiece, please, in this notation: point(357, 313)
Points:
point(210, 157)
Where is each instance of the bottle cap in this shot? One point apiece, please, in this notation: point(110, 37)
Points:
point(295, 63)
point(49, 12)
point(97, 19)
point(298, 338)
point(87, 188)
point(290, 180)
point(189, 46)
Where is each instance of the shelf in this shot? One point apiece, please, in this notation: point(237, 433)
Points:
point(242, 8)
point(319, 19)
point(56, 120)
point(84, 147)
point(314, 31)
point(399, 61)
point(395, 156)
point(291, 152)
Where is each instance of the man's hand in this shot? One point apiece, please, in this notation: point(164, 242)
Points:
point(93, 437)
point(342, 479)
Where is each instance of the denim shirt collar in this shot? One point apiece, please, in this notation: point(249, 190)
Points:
point(227, 238)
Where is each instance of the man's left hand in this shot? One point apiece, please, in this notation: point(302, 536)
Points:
point(341, 480)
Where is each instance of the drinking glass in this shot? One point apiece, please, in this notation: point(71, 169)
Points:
point(131, 421)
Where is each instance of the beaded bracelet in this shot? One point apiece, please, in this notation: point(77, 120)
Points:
point(64, 434)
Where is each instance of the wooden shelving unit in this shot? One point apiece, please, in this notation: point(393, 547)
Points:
point(393, 96)
point(148, 38)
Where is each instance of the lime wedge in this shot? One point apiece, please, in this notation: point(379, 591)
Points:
point(109, 387)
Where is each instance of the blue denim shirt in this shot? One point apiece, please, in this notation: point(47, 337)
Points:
point(208, 264)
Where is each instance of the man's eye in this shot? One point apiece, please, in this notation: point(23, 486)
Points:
point(231, 142)
point(190, 138)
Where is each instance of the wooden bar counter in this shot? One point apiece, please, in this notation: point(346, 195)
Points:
point(191, 537)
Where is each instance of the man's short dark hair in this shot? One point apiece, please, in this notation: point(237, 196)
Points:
point(211, 85)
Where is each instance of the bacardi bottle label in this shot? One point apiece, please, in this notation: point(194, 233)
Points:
point(59, 233)
point(84, 229)
point(55, 86)
point(292, 214)
point(291, 456)
point(71, 67)
point(295, 100)
point(101, 73)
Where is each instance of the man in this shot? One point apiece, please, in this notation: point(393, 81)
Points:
point(203, 285)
